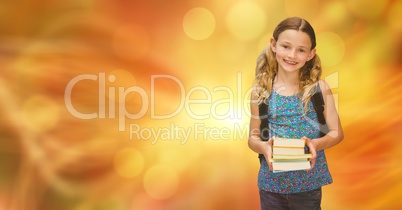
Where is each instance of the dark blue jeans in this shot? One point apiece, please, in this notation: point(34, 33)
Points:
point(310, 200)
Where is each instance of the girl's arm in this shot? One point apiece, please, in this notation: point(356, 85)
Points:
point(335, 134)
point(254, 140)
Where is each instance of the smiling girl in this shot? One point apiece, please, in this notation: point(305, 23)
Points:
point(287, 76)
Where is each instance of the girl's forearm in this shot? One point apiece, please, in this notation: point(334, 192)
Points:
point(332, 138)
point(256, 144)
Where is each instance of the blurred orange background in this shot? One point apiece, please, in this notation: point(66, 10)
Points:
point(126, 105)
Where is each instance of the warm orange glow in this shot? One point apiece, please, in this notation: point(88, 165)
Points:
point(144, 104)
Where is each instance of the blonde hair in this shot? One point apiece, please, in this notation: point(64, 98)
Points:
point(267, 65)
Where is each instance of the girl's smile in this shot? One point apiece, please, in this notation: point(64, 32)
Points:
point(290, 62)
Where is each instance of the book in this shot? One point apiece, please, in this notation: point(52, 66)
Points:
point(284, 142)
point(288, 150)
point(291, 157)
point(291, 165)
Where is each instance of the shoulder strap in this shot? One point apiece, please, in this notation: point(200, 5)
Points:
point(264, 127)
point(318, 104)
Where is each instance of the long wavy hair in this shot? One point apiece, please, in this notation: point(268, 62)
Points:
point(267, 65)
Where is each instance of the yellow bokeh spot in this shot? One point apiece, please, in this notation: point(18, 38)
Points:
point(161, 182)
point(330, 48)
point(367, 9)
point(394, 17)
point(199, 23)
point(40, 113)
point(305, 9)
point(246, 20)
point(128, 162)
point(335, 12)
point(131, 42)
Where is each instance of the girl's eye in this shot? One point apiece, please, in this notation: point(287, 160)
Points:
point(302, 51)
point(286, 47)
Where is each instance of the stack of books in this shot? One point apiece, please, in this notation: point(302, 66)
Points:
point(289, 155)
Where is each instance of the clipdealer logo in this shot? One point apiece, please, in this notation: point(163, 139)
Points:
point(236, 102)
point(236, 107)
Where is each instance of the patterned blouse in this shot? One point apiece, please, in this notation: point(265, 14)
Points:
point(287, 120)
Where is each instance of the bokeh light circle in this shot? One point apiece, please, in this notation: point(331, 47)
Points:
point(330, 48)
point(199, 23)
point(161, 182)
point(246, 20)
point(335, 12)
point(40, 113)
point(128, 162)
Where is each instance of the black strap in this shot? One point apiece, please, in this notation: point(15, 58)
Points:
point(264, 128)
point(318, 104)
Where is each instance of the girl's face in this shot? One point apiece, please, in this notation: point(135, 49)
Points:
point(293, 50)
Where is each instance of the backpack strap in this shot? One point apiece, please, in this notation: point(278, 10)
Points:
point(264, 126)
point(318, 104)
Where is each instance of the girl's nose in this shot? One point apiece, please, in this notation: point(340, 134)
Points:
point(292, 54)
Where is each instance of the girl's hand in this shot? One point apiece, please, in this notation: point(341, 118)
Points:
point(312, 150)
point(268, 152)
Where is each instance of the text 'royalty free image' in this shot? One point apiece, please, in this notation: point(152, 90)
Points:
point(199, 131)
point(220, 103)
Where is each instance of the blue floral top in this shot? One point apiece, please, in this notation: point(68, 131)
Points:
point(287, 120)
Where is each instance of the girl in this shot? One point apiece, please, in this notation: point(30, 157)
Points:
point(287, 75)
